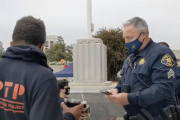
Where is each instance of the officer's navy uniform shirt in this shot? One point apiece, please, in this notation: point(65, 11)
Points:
point(156, 67)
point(178, 78)
point(28, 88)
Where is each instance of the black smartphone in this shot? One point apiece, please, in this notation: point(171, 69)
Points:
point(106, 92)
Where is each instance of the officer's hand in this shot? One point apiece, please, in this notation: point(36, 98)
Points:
point(76, 111)
point(113, 91)
point(120, 99)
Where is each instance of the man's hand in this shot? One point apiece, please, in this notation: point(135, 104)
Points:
point(120, 99)
point(76, 111)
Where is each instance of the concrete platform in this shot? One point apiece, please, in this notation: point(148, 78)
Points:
point(100, 108)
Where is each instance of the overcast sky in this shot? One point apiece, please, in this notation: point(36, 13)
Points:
point(68, 17)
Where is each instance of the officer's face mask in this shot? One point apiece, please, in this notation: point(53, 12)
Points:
point(133, 47)
point(67, 91)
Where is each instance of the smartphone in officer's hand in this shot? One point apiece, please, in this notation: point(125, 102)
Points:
point(106, 92)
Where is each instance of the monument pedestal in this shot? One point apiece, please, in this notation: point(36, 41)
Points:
point(90, 63)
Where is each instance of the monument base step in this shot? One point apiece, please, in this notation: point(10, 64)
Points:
point(107, 83)
point(91, 88)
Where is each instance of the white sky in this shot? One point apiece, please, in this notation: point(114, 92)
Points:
point(68, 17)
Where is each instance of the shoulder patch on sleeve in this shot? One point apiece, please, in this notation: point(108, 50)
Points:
point(171, 74)
point(178, 63)
point(167, 60)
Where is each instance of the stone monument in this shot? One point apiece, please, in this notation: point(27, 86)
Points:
point(90, 58)
point(90, 74)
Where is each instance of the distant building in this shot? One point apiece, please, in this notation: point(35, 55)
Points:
point(51, 40)
point(1, 48)
point(177, 53)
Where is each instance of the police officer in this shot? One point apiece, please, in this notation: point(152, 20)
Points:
point(177, 74)
point(146, 87)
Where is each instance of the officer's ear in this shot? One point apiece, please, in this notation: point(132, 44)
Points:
point(145, 34)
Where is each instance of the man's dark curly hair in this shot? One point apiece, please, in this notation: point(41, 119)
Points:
point(62, 83)
point(29, 30)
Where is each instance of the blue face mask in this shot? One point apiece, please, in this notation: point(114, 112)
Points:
point(134, 46)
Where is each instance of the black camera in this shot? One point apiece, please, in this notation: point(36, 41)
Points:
point(72, 102)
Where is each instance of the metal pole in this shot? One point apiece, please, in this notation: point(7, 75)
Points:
point(89, 19)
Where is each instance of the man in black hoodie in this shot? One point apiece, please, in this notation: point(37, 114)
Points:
point(28, 88)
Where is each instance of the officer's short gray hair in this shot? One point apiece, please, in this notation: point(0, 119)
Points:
point(138, 23)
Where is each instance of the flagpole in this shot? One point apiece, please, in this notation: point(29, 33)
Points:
point(89, 19)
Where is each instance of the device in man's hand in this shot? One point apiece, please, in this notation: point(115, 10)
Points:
point(106, 92)
point(73, 102)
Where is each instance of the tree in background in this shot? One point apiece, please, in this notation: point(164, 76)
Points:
point(116, 50)
point(59, 51)
point(60, 39)
point(69, 52)
point(1, 49)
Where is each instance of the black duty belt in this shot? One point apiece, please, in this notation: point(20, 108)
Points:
point(168, 113)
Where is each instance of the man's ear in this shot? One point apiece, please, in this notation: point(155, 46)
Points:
point(42, 46)
point(11, 43)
